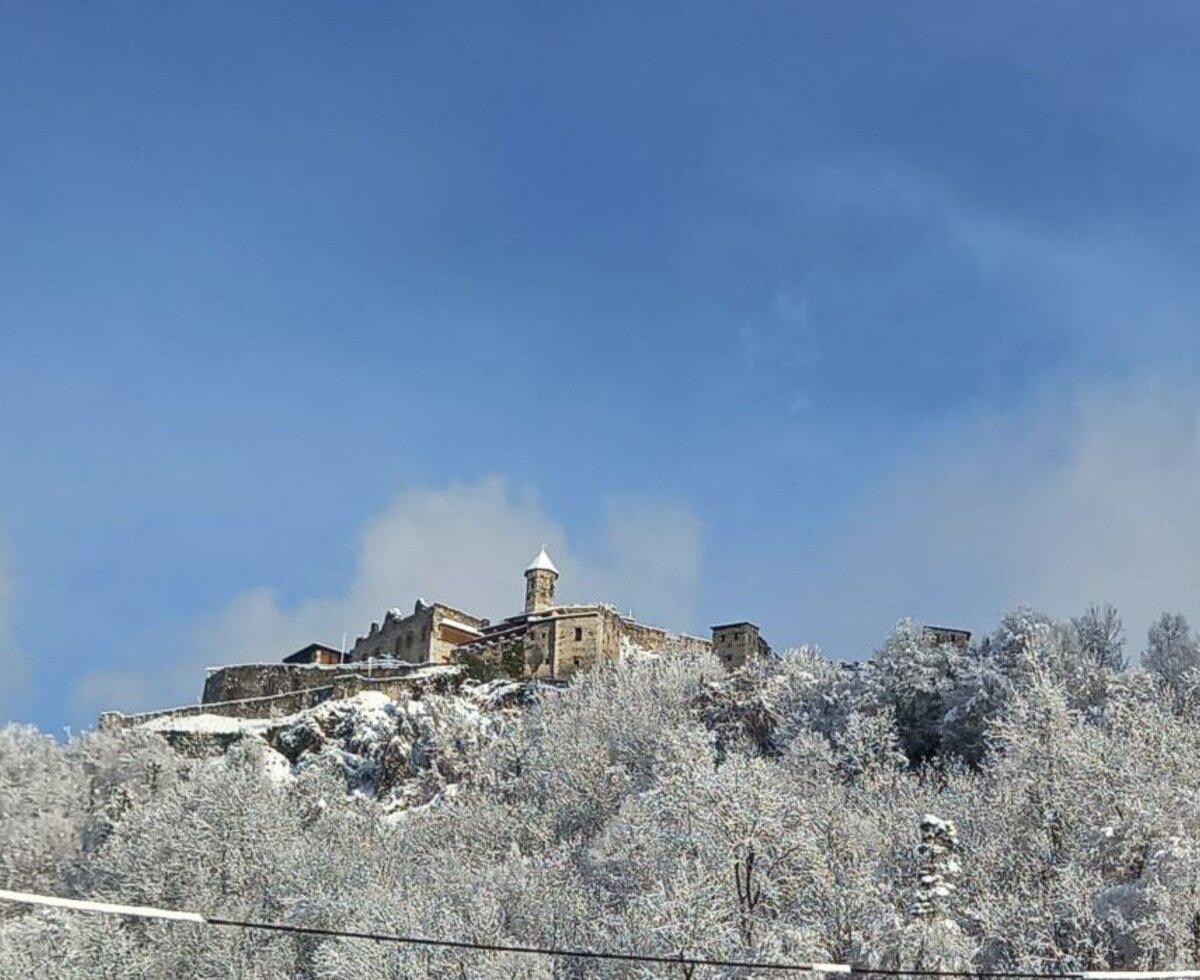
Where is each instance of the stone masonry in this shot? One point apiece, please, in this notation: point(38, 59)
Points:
point(735, 643)
point(549, 641)
point(437, 643)
point(540, 577)
point(429, 635)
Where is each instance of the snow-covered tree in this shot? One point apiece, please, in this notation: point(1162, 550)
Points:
point(1171, 650)
point(913, 676)
point(1102, 637)
point(659, 805)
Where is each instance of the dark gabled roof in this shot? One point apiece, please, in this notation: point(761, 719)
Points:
point(946, 629)
point(726, 626)
point(510, 629)
point(305, 653)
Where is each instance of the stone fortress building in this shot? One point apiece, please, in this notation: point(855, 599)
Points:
point(735, 643)
point(546, 641)
point(552, 642)
point(405, 655)
point(428, 635)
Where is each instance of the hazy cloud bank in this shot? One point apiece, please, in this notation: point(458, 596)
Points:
point(1076, 498)
point(1083, 495)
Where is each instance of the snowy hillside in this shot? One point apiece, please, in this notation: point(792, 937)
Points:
point(1021, 805)
point(397, 752)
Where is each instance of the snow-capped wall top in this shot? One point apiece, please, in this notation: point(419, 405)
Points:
point(541, 563)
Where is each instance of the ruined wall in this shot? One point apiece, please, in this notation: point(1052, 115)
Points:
point(342, 685)
point(417, 638)
point(270, 706)
point(243, 681)
point(405, 638)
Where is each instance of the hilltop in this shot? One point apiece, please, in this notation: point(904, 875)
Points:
point(1022, 804)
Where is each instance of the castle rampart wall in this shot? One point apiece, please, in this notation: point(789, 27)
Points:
point(650, 638)
point(395, 686)
point(242, 681)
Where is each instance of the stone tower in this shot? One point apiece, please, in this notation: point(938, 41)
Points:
point(735, 643)
point(539, 583)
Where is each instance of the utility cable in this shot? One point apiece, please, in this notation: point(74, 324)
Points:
point(681, 959)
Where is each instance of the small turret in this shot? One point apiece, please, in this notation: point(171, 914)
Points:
point(540, 577)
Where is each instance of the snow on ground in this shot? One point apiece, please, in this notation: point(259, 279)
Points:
point(408, 752)
point(206, 725)
point(631, 652)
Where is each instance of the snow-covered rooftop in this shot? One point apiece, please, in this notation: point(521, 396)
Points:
point(542, 563)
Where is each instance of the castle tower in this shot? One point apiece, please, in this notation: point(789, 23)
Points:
point(539, 583)
point(735, 643)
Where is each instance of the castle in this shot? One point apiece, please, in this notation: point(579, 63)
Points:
point(424, 650)
point(547, 641)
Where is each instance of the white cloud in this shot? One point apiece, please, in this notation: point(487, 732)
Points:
point(464, 544)
point(14, 669)
point(1090, 497)
point(651, 564)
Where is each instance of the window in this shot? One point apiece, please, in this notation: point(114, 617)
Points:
point(578, 633)
point(578, 661)
point(408, 641)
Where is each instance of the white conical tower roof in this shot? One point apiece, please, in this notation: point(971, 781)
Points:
point(541, 563)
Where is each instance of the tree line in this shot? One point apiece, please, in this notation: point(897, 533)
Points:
point(1027, 803)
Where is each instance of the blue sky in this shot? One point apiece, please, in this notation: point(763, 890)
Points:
point(814, 314)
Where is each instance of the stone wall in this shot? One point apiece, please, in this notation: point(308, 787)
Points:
point(343, 685)
point(571, 639)
point(736, 643)
point(242, 681)
point(448, 634)
point(402, 637)
point(270, 706)
point(650, 638)
point(579, 640)
point(539, 589)
point(538, 647)
point(425, 636)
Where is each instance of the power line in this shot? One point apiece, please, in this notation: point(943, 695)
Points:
point(681, 959)
point(139, 911)
point(582, 954)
